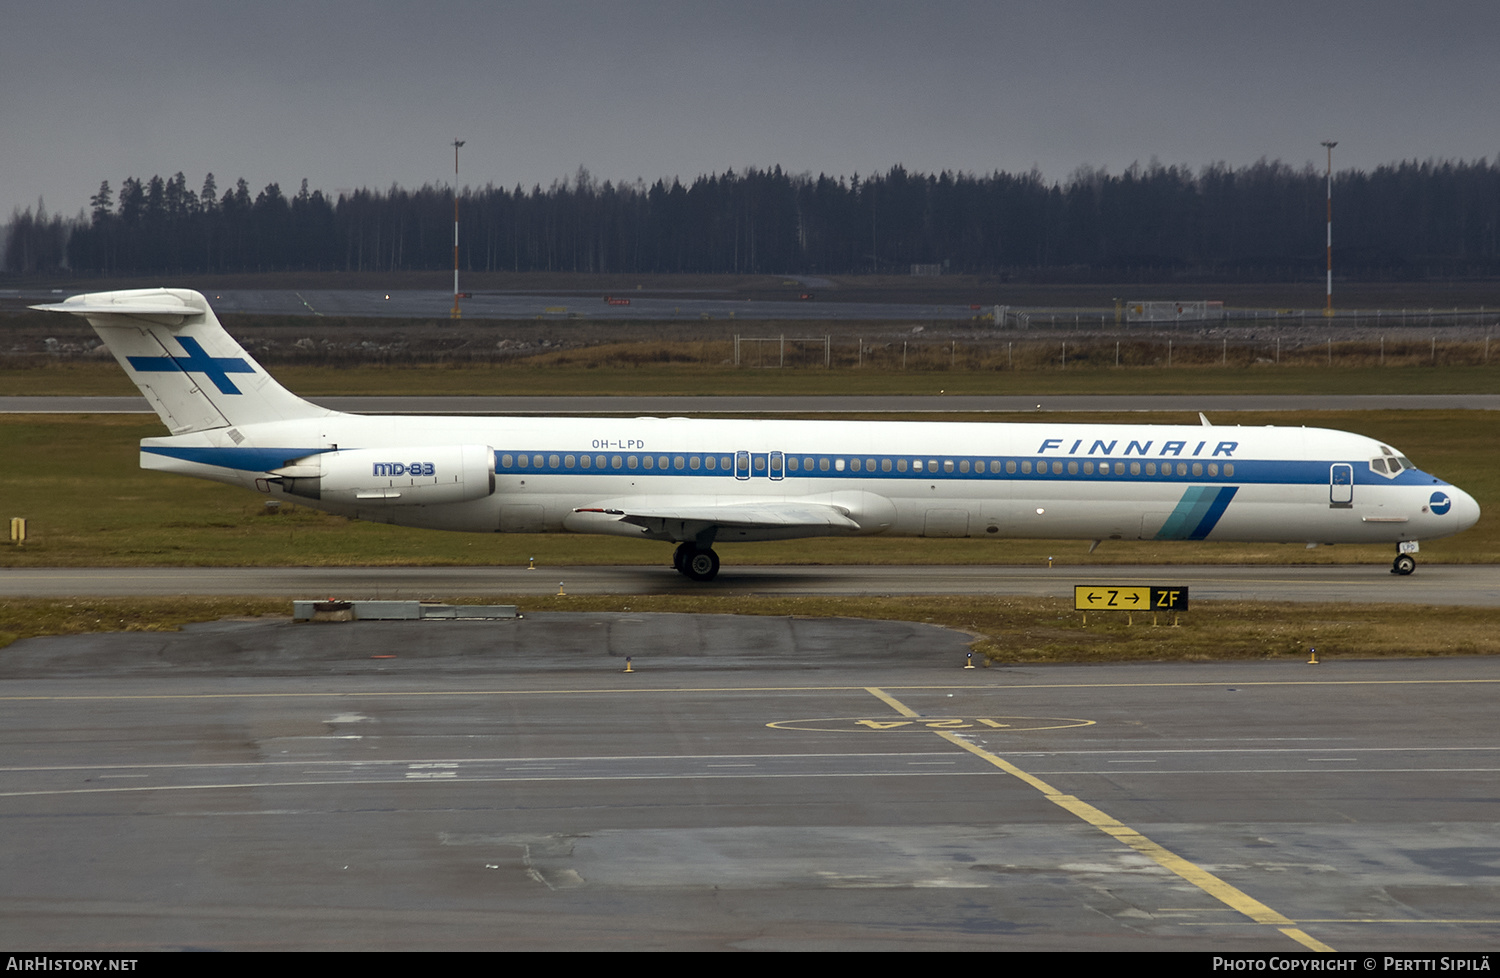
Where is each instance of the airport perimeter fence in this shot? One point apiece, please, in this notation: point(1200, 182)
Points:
point(978, 351)
point(1364, 320)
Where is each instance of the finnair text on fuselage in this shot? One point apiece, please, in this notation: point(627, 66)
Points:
point(1223, 449)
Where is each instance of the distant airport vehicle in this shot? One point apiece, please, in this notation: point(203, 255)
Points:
point(700, 482)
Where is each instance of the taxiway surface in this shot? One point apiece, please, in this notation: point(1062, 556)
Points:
point(754, 783)
point(1435, 584)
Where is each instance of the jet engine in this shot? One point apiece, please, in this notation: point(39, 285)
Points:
point(407, 476)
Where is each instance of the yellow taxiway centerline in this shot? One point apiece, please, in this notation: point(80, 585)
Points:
point(1225, 893)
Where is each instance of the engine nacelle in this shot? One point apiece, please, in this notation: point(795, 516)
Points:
point(404, 476)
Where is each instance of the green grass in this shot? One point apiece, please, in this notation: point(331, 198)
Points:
point(77, 480)
point(1006, 630)
point(537, 378)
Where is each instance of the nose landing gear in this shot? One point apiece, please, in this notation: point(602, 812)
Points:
point(1404, 564)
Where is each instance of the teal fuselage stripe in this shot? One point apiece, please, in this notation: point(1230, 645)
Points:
point(1197, 513)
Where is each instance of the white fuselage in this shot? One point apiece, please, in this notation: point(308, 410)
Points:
point(940, 479)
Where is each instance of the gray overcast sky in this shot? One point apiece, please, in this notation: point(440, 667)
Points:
point(350, 94)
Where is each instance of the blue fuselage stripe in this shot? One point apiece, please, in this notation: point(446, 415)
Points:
point(240, 459)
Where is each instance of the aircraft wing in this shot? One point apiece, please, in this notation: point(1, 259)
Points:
point(747, 514)
point(759, 515)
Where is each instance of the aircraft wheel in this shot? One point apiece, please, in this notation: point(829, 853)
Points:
point(701, 565)
point(679, 557)
point(1404, 564)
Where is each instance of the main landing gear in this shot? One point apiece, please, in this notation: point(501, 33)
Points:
point(1403, 564)
point(700, 565)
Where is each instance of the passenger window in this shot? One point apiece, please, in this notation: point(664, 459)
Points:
point(1197, 468)
point(885, 465)
point(1182, 468)
point(791, 464)
point(1119, 468)
point(1010, 466)
point(900, 465)
point(678, 462)
point(505, 461)
point(963, 466)
point(1057, 468)
point(694, 462)
point(1229, 469)
point(1213, 468)
point(854, 464)
point(568, 461)
point(838, 465)
point(759, 463)
point(632, 461)
point(1026, 467)
point(1072, 468)
point(822, 465)
point(1088, 468)
point(1135, 468)
point(616, 462)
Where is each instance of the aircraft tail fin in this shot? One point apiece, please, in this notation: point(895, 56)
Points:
point(193, 373)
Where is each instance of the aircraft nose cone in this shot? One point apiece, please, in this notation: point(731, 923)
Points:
point(1465, 508)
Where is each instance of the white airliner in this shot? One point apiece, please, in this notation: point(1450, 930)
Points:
point(698, 482)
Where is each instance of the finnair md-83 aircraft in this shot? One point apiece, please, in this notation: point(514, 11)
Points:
point(699, 482)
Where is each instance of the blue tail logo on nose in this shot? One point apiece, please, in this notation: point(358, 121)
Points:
point(217, 369)
point(1440, 503)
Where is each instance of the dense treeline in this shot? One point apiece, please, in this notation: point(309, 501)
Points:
point(1266, 221)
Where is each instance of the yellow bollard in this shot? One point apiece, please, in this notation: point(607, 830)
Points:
point(969, 661)
point(627, 664)
point(560, 592)
point(1312, 658)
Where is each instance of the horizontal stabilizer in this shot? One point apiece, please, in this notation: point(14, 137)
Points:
point(152, 303)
